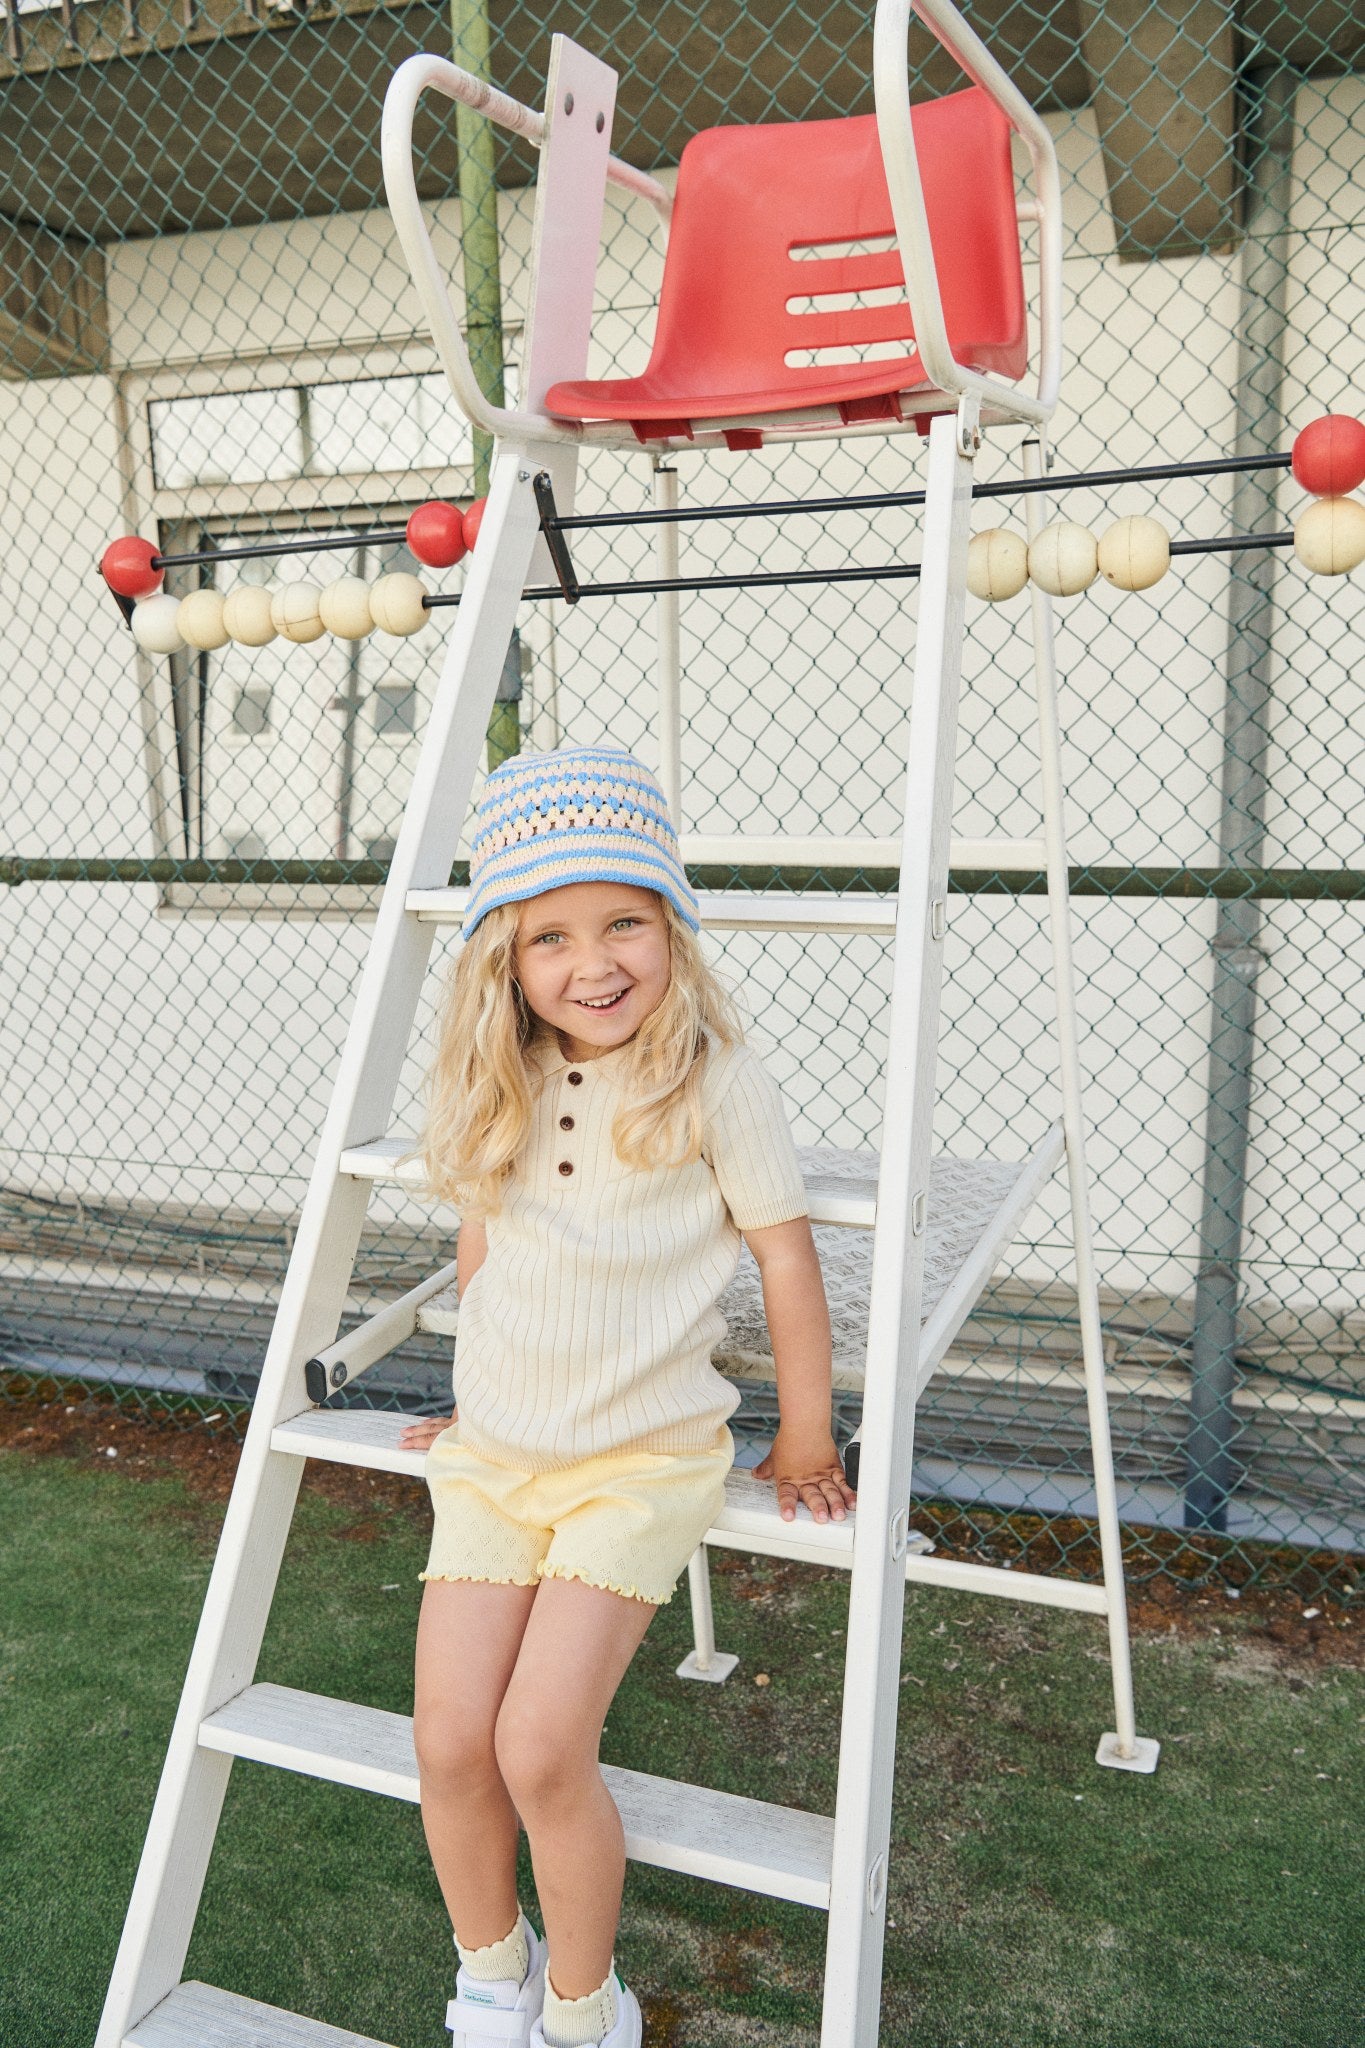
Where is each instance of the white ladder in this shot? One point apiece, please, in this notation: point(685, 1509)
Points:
point(966, 1213)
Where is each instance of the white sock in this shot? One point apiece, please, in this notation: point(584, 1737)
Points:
point(578, 2022)
point(503, 1959)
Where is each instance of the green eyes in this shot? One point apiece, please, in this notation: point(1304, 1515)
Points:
point(540, 936)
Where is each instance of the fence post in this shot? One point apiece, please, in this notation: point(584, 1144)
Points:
point(1210, 1461)
point(470, 40)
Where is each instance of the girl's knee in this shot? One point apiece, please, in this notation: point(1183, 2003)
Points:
point(539, 1759)
point(453, 1750)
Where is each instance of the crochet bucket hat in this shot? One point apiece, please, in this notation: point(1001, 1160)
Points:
point(580, 814)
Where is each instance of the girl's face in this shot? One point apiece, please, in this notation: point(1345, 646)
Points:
point(587, 942)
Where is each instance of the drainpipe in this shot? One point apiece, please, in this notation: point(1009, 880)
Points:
point(1211, 1471)
point(470, 40)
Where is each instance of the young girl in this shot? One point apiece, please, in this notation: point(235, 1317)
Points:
point(607, 1137)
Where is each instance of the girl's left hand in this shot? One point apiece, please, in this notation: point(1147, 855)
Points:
point(806, 1467)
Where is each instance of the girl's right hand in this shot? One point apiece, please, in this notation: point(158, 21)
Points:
point(421, 1435)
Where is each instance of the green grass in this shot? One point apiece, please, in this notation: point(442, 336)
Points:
point(1035, 1901)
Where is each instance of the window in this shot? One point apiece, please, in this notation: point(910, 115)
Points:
point(354, 428)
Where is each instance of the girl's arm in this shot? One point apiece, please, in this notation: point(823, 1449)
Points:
point(803, 1460)
point(471, 1249)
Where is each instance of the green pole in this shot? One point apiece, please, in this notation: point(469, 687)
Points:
point(470, 39)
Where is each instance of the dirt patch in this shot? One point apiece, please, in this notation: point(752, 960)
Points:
point(154, 1443)
point(1308, 1609)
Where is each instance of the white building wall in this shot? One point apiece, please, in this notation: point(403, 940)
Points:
point(201, 1069)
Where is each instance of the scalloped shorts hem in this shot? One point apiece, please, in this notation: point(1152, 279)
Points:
point(626, 1523)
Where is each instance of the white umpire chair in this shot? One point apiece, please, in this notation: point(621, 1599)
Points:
point(761, 217)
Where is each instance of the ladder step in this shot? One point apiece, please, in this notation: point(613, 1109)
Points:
point(975, 1210)
point(200, 2016)
point(748, 1521)
point(776, 1850)
point(782, 910)
point(842, 1186)
point(737, 910)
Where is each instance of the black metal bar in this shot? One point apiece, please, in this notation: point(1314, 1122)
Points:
point(1232, 543)
point(552, 523)
point(376, 536)
point(554, 538)
point(759, 580)
point(1338, 885)
point(884, 573)
point(884, 500)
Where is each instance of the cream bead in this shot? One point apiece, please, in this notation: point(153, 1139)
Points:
point(997, 564)
point(201, 622)
point(345, 608)
point(1063, 559)
point(294, 612)
point(1329, 538)
point(247, 614)
point(155, 624)
point(396, 604)
point(1134, 553)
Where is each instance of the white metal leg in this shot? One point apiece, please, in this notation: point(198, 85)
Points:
point(877, 1589)
point(1122, 1747)
point(670, 646)
point(704, 1660)
point(184, 1818)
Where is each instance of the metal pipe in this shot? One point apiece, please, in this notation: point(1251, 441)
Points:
point(879, 572)
point(1073, 1124)
point(876, 501)
point(1211, 1471)
point(1269, 885)
point(670, 644)
point(470, 37)
point(668, 515)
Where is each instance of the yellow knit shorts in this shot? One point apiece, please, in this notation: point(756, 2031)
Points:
point(627, 1521)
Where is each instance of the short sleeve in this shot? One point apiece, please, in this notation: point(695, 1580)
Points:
point(748, 1144)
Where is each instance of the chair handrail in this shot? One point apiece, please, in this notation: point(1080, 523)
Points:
point(901, 163)
point(412, 78)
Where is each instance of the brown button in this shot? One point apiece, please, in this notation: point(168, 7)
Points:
point(565, 1166)
point(566, 1123)
point(574, 1080)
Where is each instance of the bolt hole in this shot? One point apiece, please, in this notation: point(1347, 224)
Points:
point(568, 102)
point(601, 123)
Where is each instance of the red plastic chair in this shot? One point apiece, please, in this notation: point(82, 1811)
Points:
point(755, 212)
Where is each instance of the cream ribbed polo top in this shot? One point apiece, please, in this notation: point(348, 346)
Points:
point(590, 1325)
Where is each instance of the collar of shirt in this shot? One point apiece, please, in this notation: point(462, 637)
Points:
point(544, 1050)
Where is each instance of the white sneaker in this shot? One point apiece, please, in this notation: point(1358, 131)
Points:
point(497, 2012)
point(628, 2031)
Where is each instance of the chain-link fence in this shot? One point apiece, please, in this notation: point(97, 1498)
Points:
point(207, 335)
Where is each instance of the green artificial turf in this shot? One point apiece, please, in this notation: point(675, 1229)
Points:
point(1035, 1900)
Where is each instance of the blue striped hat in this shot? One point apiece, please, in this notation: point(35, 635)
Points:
point(580, 814)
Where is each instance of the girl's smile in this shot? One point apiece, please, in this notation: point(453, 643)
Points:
point(593, 962)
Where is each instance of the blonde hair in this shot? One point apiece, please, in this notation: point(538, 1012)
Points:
point(479, 1090)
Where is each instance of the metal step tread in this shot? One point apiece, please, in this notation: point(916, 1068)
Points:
point(842, 1185)
point(794, 910)
point(369, 1439)
point(749, 1520)
point(964, 1195)
point(776, 1850)
point(200, 2016)
point(976, 1207)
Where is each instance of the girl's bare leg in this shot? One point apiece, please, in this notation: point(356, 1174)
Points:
point(467, 1643)
point(573, 1655)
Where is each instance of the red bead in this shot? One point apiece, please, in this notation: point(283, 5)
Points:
point(126, 566)
point(436, 534)
point(1329, 456)
point(473, 520)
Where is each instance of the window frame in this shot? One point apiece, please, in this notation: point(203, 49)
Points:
point(380, 497)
